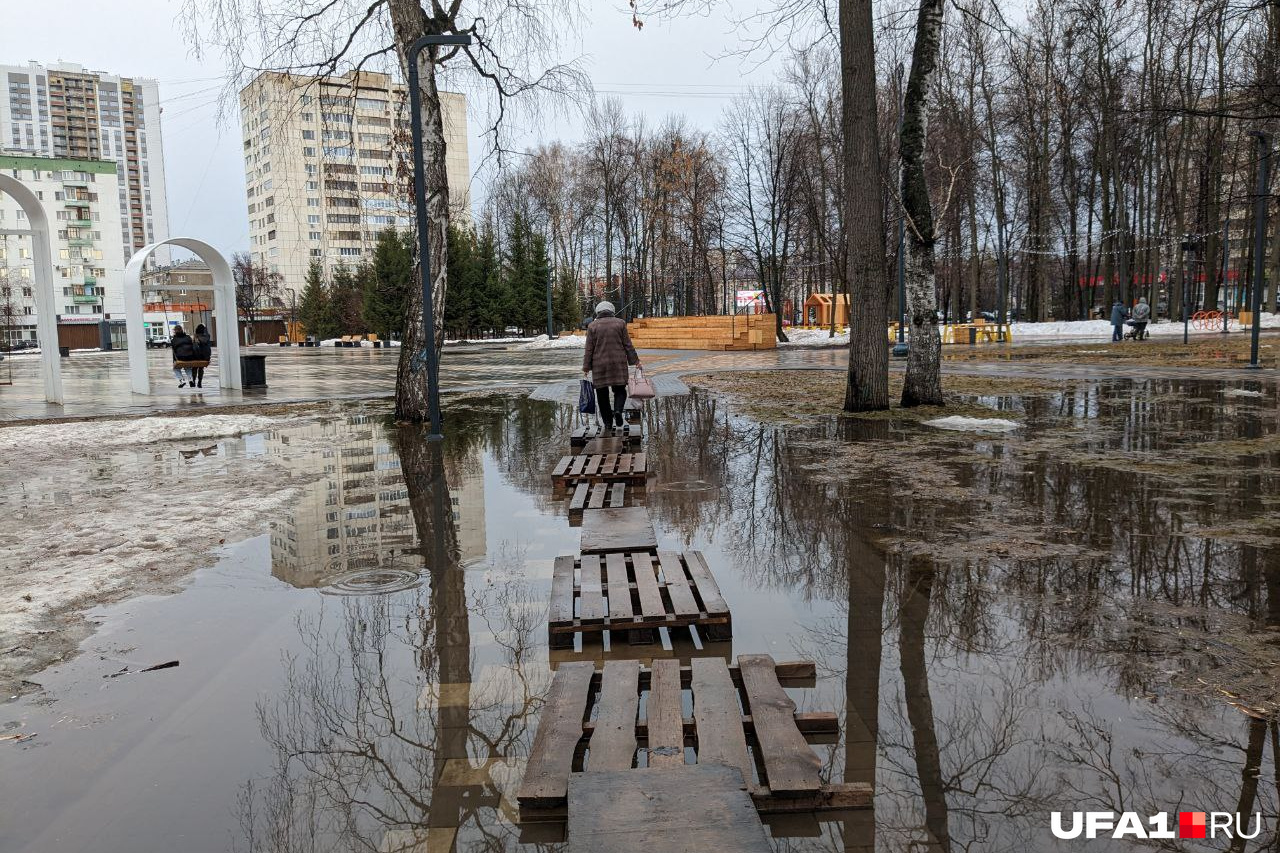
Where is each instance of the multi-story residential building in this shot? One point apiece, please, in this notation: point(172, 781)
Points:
point(320, 157)
point(79, 198)
point(62, 110)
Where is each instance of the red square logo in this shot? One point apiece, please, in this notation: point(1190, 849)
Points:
point(1191, 825)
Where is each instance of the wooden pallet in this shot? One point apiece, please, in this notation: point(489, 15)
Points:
point(635, 593)
point(734, 709)
point(626, 529)
point(630, 468)
point(596, 496)
point(630, 433)
point(699, 807)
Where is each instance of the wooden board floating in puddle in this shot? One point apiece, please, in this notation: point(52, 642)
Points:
point(633, 594)
point(742, 720)
point(624, 529)
point(630, 468)
point(702, 807)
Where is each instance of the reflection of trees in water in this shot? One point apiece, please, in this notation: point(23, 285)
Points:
point(381, 739)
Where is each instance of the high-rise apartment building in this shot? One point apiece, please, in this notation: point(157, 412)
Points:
point(320, 156)
point(64, 111)
point(79, 199)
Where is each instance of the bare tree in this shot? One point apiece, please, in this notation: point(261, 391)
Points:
point(509, 60)
point(257, 288)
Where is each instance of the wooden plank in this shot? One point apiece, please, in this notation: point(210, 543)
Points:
point(598, 491)
point(626, 529)
point(839, 796)
point(791, 768)
point(647, 585)
point(618, 495)
point(664, 718)
point(667, 810)
point(816, 726)
point(576, 466)
point(619, 587)
point(590, 594)
point(562, 590)
point(579, 500)
point(708, 589)
point(624, 463)
point(640, 464)
point(613, 745)
point(601, 446)
point(682, 600)
point(592, 468)
point(718, 717)
point(562, 466)
point(546, 776)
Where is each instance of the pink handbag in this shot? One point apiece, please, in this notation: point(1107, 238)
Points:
point(639, 387)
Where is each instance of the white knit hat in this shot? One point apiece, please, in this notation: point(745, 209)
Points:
point(605, 306)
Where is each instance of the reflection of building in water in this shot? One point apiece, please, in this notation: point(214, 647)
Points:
point(356, 515)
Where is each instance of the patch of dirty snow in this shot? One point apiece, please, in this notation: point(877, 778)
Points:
point(965, 424)
point(814, 338)
point(25, 444)
point(1241, 392)
point(566, 342)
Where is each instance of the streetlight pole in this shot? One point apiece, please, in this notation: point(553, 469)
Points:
point(1226, 263)
point(428, 354)
point(900, 349)
point(551, 333)
point(1259, 239)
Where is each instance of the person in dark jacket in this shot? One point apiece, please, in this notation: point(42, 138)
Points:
point(608, 353)
point(1117, 321)
point(183, 349)
point(203, 352)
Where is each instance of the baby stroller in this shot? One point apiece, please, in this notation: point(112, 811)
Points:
point(1137, 330)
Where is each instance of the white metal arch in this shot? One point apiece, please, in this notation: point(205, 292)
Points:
point(224, 306)
point(46, 299)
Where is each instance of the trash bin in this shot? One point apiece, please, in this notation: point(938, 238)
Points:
point(253, 371)
point(973, 335)
point(65, 352)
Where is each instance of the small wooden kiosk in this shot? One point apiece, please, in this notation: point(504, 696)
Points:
point(818, 307)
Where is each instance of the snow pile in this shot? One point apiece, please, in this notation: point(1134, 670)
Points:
point(566, 342)
point(334, 342)
point(21, 445)
point(964, 424)
point(1241, 392)
point(813, 338)
point(1102, 328)
point(473, 341)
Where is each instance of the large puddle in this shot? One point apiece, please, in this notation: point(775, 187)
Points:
point(369, 676)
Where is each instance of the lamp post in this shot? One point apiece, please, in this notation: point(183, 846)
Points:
point(428, 355)
point(1259, 239)
point(1226, 258)
point(900, 349)
point(1188, 245)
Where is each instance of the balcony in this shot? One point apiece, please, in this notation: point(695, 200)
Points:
point(90, 279)
point(85, 298)
point(80, 241)
point(75, 182)
point(80, 223)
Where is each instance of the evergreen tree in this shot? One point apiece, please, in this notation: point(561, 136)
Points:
point(491, 294)
point(524, 299)
point(460, 301)
point(316, 309)
point(385, 286)
point(540, 278)
point(345, 296)
point(567, 306)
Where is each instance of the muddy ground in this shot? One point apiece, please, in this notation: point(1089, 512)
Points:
point(1151, 509)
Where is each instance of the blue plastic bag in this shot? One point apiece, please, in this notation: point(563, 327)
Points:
point(587, 398)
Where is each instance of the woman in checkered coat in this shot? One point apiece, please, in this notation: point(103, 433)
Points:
point(609, 352)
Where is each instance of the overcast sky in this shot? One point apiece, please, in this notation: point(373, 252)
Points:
point(665, 68)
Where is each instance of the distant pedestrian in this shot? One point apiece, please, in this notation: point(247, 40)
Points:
point(608, 353)
point(1141, 316)
point(183, 349)
point(203, 352)
point(1117, 321)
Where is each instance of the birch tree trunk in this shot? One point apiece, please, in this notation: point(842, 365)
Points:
point(923, 384)
point(410, 23)
point(867, 385)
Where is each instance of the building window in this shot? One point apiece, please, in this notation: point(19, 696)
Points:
point(308, 134)
point(313, 202)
